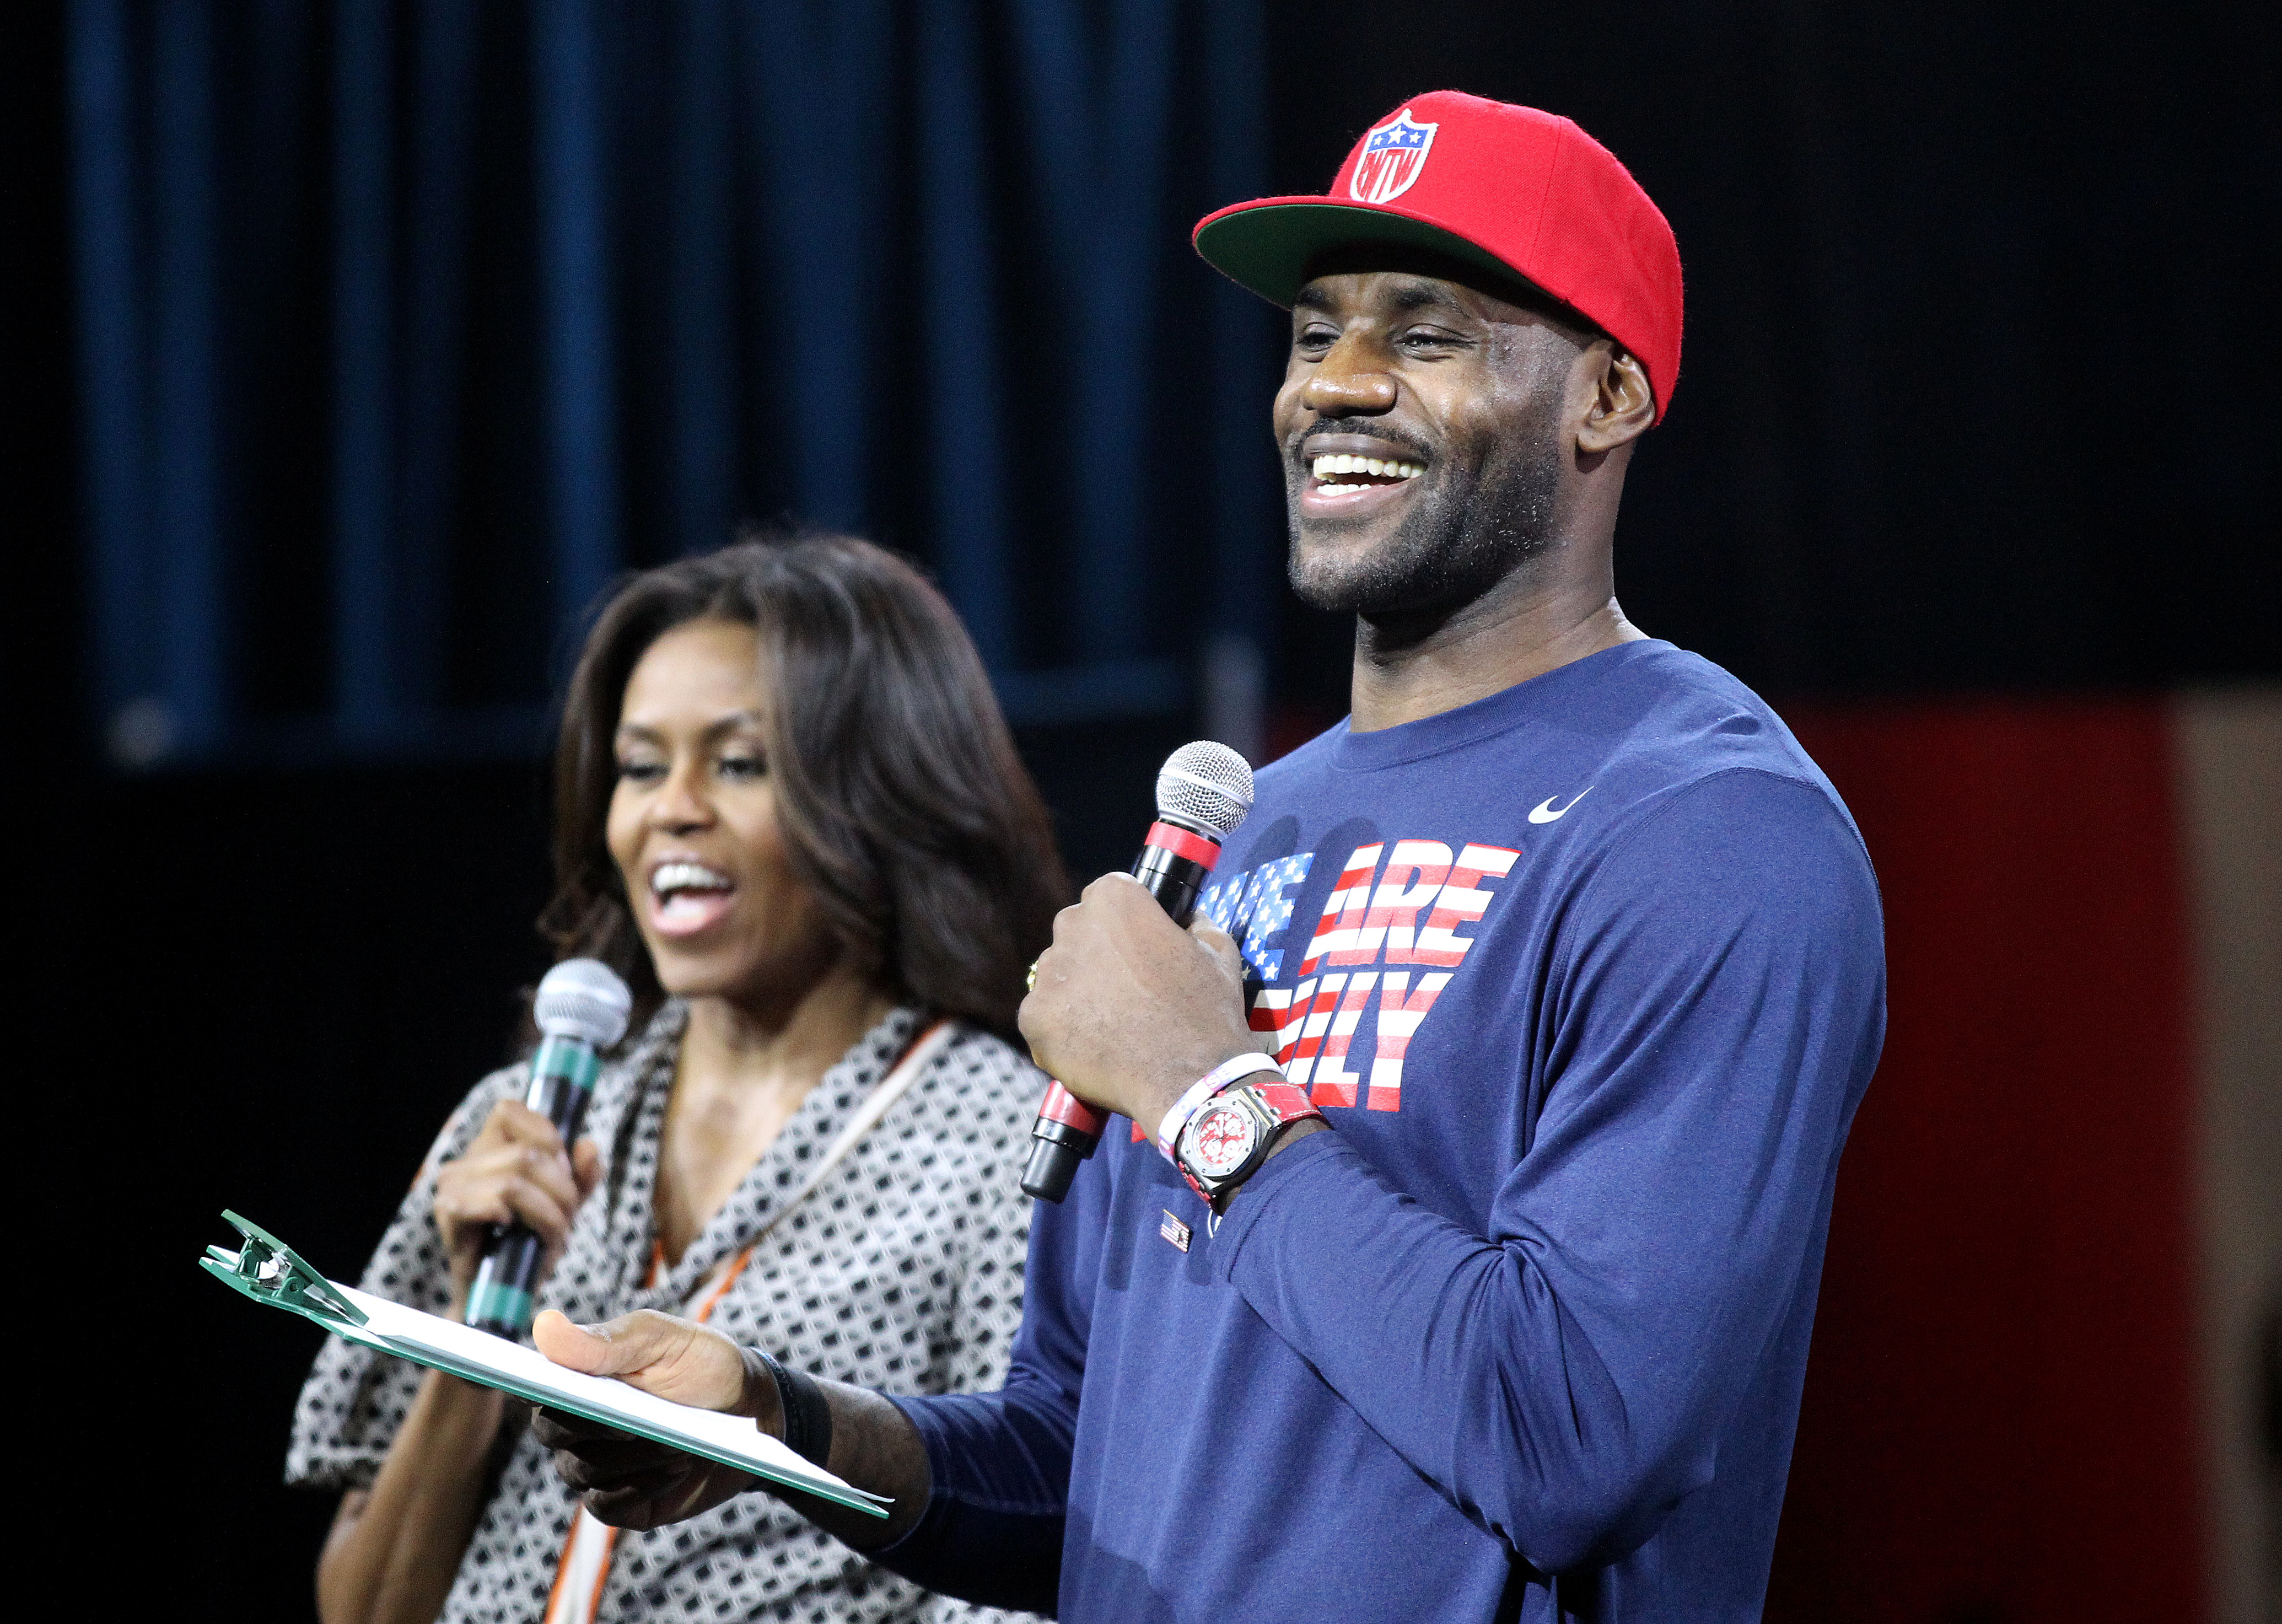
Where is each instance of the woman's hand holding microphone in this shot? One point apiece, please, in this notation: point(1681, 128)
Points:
point(515, 1171)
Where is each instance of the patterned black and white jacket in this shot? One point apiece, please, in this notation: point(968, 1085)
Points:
point(902, 1272)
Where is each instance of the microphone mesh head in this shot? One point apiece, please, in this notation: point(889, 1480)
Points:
point(1206, 784)
point(583, 998)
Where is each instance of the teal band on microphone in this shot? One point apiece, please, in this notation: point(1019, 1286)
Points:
point(575, 1062)
point(494, 1302)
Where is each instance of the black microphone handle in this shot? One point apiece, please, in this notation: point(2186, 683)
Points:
point(502, 1299)
point(1175, 881)
point(1058, 1143)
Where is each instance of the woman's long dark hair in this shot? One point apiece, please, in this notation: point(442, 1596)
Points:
point(903, 803)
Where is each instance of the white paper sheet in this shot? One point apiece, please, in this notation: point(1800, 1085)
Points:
point(494, 1361)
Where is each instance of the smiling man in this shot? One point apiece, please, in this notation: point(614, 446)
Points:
point(1461, 1259)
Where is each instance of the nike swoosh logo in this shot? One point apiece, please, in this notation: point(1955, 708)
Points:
point(1546, 814)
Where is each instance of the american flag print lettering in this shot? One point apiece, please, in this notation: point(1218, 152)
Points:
point(1343, 914)
point(1400, 1011)
point(1393, 156)
point(1461, 902)
point(1415, 874)
point(1256, 905)
point(1409, 913)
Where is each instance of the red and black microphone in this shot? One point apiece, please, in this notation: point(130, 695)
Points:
point(1203, 792)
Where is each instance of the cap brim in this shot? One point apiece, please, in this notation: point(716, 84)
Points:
point(1268, 245)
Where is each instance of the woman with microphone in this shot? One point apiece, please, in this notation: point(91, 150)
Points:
point(789, 814)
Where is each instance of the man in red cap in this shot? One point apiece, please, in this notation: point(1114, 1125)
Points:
point(1461, 1260)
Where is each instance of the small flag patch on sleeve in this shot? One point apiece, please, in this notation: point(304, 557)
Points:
point(1173, 1230)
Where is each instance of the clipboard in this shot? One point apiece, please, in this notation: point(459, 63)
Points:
point(269, 1271)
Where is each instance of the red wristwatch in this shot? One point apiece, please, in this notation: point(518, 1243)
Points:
point(1231, 1135)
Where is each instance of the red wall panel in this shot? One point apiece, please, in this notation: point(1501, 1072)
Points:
point(1997, 1422)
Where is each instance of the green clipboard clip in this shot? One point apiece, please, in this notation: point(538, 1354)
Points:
point(269, 1270)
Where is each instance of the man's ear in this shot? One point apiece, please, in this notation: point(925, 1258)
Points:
point(1621, 406)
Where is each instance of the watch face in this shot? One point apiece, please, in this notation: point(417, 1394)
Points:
point(1220, 1140)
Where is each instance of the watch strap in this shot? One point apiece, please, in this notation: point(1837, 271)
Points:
point(807, 1414)
point(1282, 1104)
point(1220, 1078)
point(1288, 1102)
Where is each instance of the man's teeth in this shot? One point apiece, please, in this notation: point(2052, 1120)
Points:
point(1326, 469)
point(668, 878)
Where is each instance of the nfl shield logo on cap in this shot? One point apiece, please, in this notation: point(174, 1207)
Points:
point(1393, 154)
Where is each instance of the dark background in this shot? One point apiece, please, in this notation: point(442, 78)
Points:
point(1977, 401)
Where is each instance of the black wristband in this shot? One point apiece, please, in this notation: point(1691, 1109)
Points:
point(807, 1416)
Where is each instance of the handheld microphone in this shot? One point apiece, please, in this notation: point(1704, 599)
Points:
point(1203, 791)
point(581, 1010)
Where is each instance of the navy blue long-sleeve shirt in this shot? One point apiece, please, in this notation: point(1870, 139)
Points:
point(1589, 978)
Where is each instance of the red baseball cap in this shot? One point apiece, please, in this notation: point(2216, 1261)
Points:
point(1511, 189)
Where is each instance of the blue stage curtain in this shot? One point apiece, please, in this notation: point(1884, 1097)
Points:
point(406, 326)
